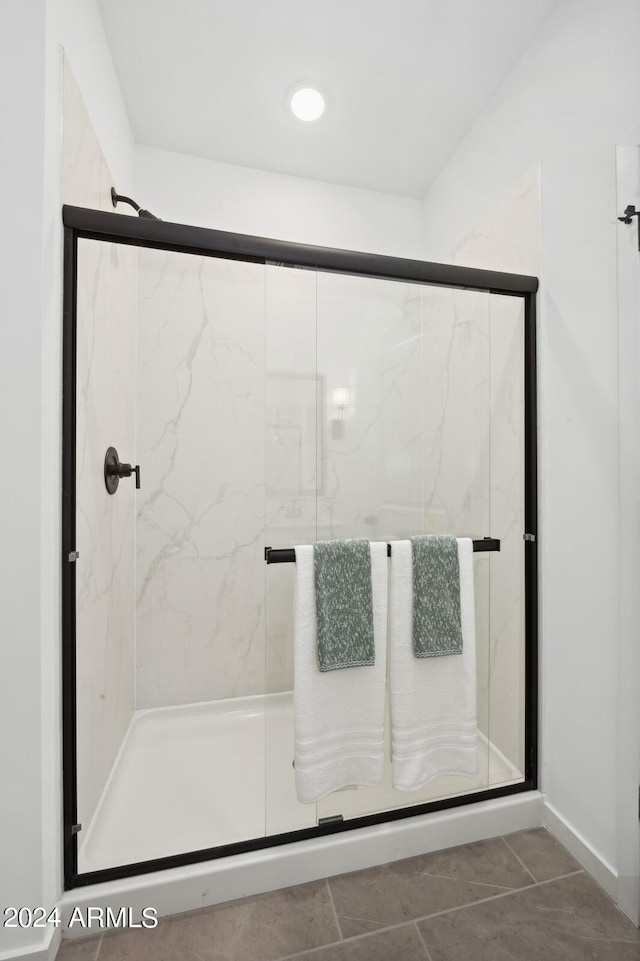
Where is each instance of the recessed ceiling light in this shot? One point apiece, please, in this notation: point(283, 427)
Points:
point(307, 104)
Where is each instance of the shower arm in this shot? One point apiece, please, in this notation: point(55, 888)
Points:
point(117, 198)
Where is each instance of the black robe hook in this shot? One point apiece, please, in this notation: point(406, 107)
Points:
point(627, 217)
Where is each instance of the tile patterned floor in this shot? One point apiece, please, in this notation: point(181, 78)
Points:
point(516, 898)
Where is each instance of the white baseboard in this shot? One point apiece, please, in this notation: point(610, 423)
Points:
point(629, 898)
point(599, 869)
point(47, 952)
point(212, 882)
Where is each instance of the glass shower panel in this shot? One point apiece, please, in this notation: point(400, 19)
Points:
point(187, 770)
point(370, 350)
point(388, 406)
point(507, 585)
point(412, 456)
point(269, 406)
point(369, 448)
point(294, 400)
point(105, 526)
point(457, 474)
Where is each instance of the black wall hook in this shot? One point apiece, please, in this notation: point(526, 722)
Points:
point(627, 217)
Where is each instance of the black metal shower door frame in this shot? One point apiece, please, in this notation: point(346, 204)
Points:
point(86, 224)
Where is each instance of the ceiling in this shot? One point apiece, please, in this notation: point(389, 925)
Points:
point(403, 80)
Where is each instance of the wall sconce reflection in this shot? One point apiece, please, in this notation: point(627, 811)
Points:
point(340, 397)
point(340, 401)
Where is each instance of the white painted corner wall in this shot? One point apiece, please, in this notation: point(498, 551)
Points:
point(565, 106)
point(192, 190)
point(30, 392)
point(24, 843)
point(76, 27)
point(628, 756)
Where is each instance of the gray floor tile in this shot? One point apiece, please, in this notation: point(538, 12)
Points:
point(398, 892)
point(83, 949)
point(263, 928)
point(542, 854)
point(401, 944)
point(566, 920)
point(484, 862)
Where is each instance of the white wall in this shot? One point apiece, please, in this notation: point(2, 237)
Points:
point(22, 66)
point(30, 390)
point(628, 183)
point(76, 25)
point(224, 197)
point(566, 104)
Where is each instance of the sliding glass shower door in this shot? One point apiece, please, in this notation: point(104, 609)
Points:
point(222, 406)
point(396, 409)
point(171, 590)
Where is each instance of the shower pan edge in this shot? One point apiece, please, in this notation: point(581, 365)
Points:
point(206, 883)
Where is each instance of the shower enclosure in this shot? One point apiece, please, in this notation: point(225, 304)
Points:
point(269, 394)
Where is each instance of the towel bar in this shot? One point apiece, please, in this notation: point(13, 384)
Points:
point(287, 555)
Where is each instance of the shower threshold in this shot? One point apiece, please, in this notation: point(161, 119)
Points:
point(199, 776)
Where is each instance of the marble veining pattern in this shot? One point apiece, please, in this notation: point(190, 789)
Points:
point(294, 392)
point(201, 511)
point(368, 341)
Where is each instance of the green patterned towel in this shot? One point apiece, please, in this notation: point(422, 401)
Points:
point(437, 628)
point(344, 606)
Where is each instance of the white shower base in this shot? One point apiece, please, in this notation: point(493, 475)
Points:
point(202, 775)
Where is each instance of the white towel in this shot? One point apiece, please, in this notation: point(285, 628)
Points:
point(434, 726)
point(338, 715)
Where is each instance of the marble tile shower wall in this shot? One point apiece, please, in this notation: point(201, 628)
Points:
point(430, 438)
point(105, 615)
point(296, 393)
point(280, 406)
point(351, 347)
point(201, 511)
point(368, 342)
